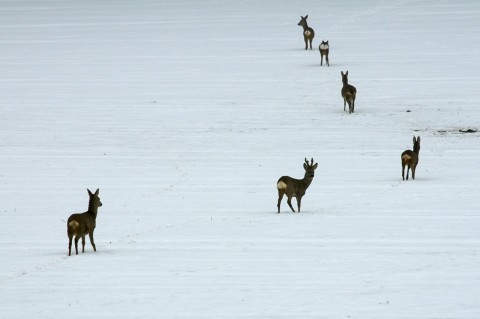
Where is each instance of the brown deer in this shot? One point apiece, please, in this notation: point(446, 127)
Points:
point(295, 187)
point(79, 225)
point(324, 48)
point(349, 93)
point(410, 158)
point(308, 33)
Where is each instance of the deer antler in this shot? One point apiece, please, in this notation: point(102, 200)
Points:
point(312, 162)
point(306, 161)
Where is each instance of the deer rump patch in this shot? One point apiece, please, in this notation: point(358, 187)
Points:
point(307, 33)
point(323, 46)
point(281, 185)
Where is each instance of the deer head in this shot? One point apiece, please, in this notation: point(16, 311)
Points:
point(309, 168)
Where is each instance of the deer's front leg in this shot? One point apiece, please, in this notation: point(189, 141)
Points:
point(299, 202)
point(289, 202)
point(92, 241)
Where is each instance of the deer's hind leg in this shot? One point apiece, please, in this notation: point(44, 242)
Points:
point(326, 59)
point(83, 243)
point(77, 238)
point(70, 245)
point(91, 240)
point(280, 196)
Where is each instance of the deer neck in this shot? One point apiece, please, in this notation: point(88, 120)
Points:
point(307, 180)
point(305, 26)
point(92, 209)
point(416, 149)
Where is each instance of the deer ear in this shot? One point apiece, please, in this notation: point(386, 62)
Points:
point(346, 73)
point(315, 166)
point(97, 191)
point(306, 16)
point(414, 139)
point(341, 72)
point(89, 192)
point(418, 139)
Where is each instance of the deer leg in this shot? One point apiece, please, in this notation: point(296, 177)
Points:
point(344, 104)
point(321, 59)
point(76, 244)
point(289, 202)
point(306, 44)
point(408, 169)
point(70, 245)
point(299, 202)
point(280, 196)
point(403, 171)
point(83, 243)
point(326, 59)
point(91, 241)
point(353, 104)
point(310, 44)
point(413, 171)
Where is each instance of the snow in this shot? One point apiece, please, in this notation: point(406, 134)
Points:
point(185, 114)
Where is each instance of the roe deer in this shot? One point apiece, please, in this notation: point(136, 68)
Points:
point(349, 93)
point(324, 49)
point(295, 187)
point(308, 33)
point(79, 225)
point(410, 158)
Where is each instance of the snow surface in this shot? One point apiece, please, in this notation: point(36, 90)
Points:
point(185, 113)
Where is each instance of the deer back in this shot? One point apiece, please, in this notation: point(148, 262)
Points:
point(291, 185)
point(81, 224)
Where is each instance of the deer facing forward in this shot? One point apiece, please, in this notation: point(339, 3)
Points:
point(292, 187)
point(349, 93)
point(308, 33)
point(410, 158)
point(79, 225)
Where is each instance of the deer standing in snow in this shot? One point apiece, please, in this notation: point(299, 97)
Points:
point(349, 93)
point(308, 33)
point(79, 225)
point(410, 158)
point(324, 48)
point(292, 187)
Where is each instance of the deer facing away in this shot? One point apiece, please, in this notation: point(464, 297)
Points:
point(324, 49)
point(410, 158)
point(292, 187)
point(79, 225)
point(308, 33)
point(349, 93)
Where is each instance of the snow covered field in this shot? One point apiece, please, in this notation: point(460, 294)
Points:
point(185, 113)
